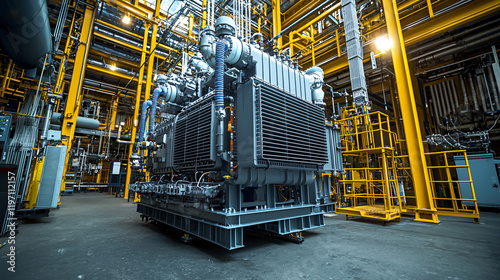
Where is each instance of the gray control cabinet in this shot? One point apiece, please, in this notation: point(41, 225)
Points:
point(483, 168)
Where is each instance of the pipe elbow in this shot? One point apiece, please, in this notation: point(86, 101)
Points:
point(206, 51)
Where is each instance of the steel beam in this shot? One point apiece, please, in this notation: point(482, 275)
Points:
point(426, 211)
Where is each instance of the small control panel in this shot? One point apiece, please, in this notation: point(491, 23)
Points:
point(5, 122)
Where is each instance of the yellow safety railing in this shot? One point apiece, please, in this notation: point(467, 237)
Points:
point(367, 133)
point(447, 188)
point(370, 186)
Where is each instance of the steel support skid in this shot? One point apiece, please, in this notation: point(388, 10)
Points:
point(226, 229)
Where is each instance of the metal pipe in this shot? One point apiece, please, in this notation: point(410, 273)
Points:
point(481, 93)
point(465, 44)
point(453, 95)
point(61, 20)
point(473, 91)
point(46, 124)
point(437, 109)
point(310, 13)
point(464, 90)
point(488, 91)
point(119, 136)
point(440, 101)
point(493, 87)
point(450, 37)
point(144, 116)
point(444, 94)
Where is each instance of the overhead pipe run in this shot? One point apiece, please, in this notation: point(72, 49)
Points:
point(463, 44)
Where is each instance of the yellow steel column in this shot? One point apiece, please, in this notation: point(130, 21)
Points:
point(312, 45)
point(149, 74)
point(72, 108)
point(337, 41)
point(277, 20)
point(137, 105)
point(5, 78)
point(204, 17)
point(151, 60)
point(426, 211)
point(191, 25)
point(429, 6)
point(114, 106)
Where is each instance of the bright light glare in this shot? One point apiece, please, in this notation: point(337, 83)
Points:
point(126, 19)
point(383, 44)
point(112, 67)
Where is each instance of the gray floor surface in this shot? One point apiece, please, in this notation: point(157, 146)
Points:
point(98, 236)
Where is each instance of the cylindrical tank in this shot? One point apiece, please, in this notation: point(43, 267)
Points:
point(25, 31)
point(80, 121)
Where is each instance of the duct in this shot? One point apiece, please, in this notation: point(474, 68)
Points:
point(25, 24)
point(354, 53)
point(81, 122)
point(473, 91)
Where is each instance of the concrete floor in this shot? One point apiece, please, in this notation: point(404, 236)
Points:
point(98, 236)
